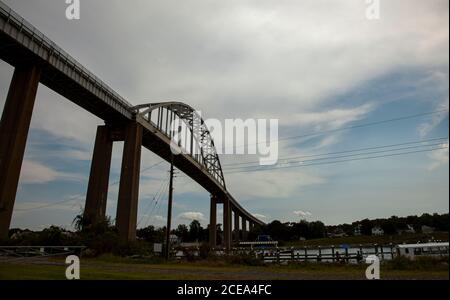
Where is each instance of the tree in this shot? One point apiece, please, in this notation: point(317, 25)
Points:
point(316, 230)
point(300, 229)
point(278, 230)
point(182, 232)
point(148, 233)
point(195, 231)
point(366, 227)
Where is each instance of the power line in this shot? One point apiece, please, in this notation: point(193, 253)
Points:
point(351, 127)
point(344, 151)
point(81, 196)
point(349, 155)
point(158, 201)
point(142, 171)
point(146, 209)
point(339, 161)
point(50, 204)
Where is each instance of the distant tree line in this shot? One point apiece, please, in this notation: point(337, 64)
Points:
point(104, 236)
point(291, 231)
point(194, 233)
point(394, 224)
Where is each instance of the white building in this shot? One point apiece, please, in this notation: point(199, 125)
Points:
point(426, 249)
point(357, 230)
point(427, 229)
point(377, 231)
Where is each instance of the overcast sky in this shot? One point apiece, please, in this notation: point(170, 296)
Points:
point(314, 65)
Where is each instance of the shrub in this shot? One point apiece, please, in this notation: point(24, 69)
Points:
point(419, 263)
point(205, 251)
point(244, 259)
point(189, 253)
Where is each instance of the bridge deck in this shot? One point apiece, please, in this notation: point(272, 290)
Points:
point(21, 43)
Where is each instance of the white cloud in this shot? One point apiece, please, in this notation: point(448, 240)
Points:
point(272, 183)
point(329, 140)
point(426, 127)
point(191, 215)
point(439, 157)
point(157, 221)
point(330, 119)
point(71, 203)
point(301, 213)
point(33, 172)
point(312, 50)
point(259, 216)
point(37, 173)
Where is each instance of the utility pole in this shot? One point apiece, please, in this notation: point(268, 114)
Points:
point(169, 210)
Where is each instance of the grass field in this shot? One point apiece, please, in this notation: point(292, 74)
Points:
point(123, 268)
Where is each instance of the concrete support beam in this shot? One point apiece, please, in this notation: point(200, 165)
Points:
point(236, 226)
point(227, 224)
point(127, 205)
point(213, 223)
point(244, 229)
point(14, 127)
point(97, 192)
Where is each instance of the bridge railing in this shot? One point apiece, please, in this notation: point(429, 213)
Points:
point(12, 18)
point(195, 140)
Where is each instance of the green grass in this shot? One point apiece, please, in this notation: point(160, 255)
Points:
point(110, 268)
point(52, 272)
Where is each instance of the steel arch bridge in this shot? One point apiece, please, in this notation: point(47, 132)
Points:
point(198, 158)
point(197, 142)
point(37, 59)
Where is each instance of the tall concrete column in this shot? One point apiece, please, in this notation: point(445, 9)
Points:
point(14, 127)
point(236, 226)
point(97, 192)
point(126, 219)
point(227, 224)
point(244, 229)
point(213, 223)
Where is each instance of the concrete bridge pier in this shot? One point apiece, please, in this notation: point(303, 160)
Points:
point(244, 229)
point(251, 225)
point(213, 223)
point(227, 224)
point(97, 192)
point(14, 127)
point(127, 206)
point(236, 226)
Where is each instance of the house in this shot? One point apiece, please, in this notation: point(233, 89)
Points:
point(377, 230)
point(357, 230)
point(174, 239)
point(427, 229)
